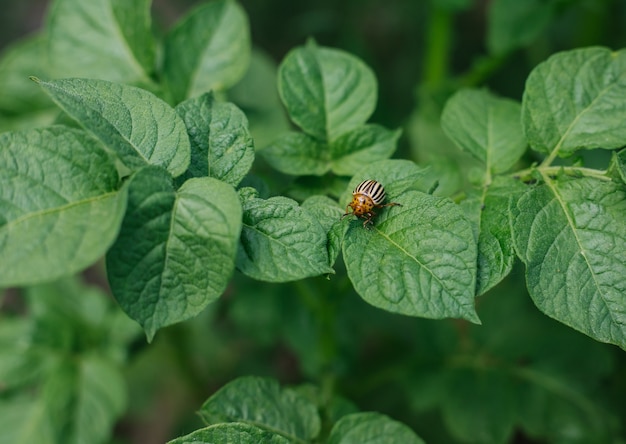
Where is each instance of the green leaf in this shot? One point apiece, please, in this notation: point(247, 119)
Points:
point(231, 433)
point(24, 420)
point(207, 50)
point(297, 154)
point(17, 366)
point(20, 61)
point(60, 207)
point(481, 405)
point(489, 211)
point(221, 146)
point(571, 235)
point(619, 160)
point(262, 403)
point(520, 370)
point(487, 127)
point(363, 145)
point(372, 428)
point(138, 126)
point(281, 241)
point(70, 350)
point(574, 100)
point(328, 214)
point(257, 95)
point(84, 396)
point(418, 259)
point(103, 39)
point(176, 250)
point(449, 167)
point(514, 24)
point(327, 92)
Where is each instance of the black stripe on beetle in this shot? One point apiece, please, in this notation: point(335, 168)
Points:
point(368, 195)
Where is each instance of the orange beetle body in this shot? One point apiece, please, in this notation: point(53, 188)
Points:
point(368, 195)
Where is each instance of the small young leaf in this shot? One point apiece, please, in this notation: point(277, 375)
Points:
point(571, 236)
point(486, 126)
point(327, 92)
point(207, 50)
point(176, 250)
point(261, 402)
point(231, 433)
point(297, 154)
point(138, 126)
point(60, 207)
point(102, 39)
point(372, 428)
point(363, 145)
point(513, 24)
point(418, 259)
point(574, 100)
point(280, 241)
point(221, 146)
point(490, 213)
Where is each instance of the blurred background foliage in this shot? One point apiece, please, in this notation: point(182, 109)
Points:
point(520, 377)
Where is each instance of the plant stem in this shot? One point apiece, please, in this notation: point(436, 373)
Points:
point(437, 47)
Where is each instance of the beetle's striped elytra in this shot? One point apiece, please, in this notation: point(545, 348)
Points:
point(368, 195)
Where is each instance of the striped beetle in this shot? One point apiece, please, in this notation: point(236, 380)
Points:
point(368, 195)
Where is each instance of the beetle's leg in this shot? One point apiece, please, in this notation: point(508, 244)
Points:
point(368, 219)
point(347, 212)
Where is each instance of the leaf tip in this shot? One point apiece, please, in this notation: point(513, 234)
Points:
point(472, 316)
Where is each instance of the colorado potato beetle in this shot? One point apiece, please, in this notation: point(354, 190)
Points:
point(368, 195)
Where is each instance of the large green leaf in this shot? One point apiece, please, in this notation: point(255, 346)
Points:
point(207, 50)
point(575, 100)
point(371, 428)
point(261, 402)
point(102, 39)
point(571, 234)
point(176, 250)
point(60, 207)
point(487, 127)
point(231, 433)
point(221, 145)
point(281, 241)
point(138, 126)
point(327, 92)
point(418, 259)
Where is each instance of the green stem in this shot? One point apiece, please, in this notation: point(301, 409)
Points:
point(437, 47)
